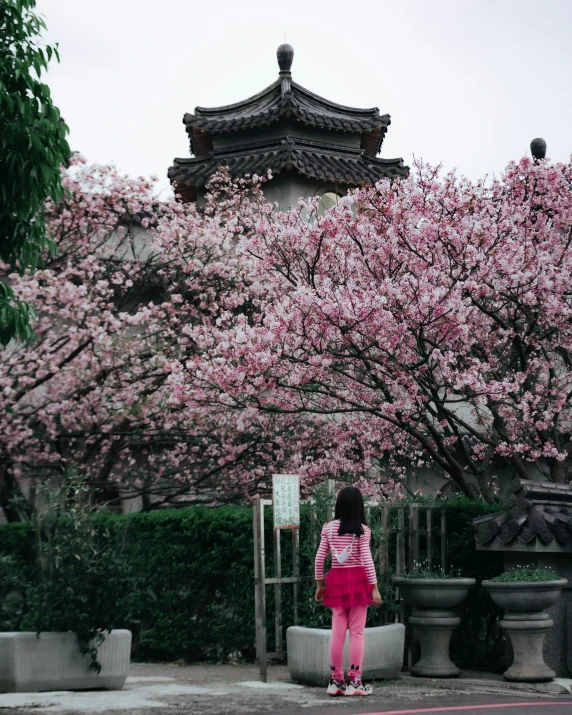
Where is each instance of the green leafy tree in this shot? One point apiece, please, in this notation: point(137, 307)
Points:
point(33, 147)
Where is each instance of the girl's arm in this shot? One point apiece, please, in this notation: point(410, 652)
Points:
point(370, 566)
point(321, 554)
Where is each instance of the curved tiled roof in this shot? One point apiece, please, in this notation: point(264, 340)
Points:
point(537, 516)
point(272, 103)
point(321, 163)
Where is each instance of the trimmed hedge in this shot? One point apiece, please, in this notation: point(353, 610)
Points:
point(191, 592)
point(190, 573)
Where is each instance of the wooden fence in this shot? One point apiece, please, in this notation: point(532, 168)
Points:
point(419, 536)
point(417, 539)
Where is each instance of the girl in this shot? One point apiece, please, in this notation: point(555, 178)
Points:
point(351, 586)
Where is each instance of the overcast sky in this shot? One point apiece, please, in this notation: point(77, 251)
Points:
point(468, 83)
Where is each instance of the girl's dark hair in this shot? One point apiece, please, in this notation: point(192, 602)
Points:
point(350, 511)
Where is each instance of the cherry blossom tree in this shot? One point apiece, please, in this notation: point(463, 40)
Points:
point(116, 305)
point(426, 320)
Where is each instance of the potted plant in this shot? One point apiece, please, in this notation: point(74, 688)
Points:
point(66, 640)
point(435, 596)
point(525, 594)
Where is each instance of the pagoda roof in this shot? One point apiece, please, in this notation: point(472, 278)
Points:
point(317, 149)
point(273, 103)
point(351, 167)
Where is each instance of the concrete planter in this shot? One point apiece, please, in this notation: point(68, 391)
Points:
point(309, 653)
point(30, 664)
point(526, 623)
point(435, 618)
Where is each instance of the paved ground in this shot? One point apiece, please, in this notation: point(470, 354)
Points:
point(154, 689)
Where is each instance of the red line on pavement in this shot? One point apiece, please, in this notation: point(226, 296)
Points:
point(467, 707)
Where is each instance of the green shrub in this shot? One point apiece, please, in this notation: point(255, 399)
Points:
point(430, 575)
point(194, 596)
point(17, 572)
point(526, 575)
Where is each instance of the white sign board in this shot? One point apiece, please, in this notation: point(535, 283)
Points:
point(286, 501)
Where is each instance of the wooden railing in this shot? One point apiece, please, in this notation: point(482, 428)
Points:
point(419, 536)
point(411, 529)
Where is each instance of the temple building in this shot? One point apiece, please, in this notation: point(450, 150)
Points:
point(313, 147)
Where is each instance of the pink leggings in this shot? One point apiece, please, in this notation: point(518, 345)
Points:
point(343, 619)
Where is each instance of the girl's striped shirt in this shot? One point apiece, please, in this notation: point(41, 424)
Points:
point(361, 552)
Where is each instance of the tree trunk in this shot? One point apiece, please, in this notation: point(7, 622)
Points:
point(485, 487)
point(12, 501)
point(146, 501)
point(559, 470)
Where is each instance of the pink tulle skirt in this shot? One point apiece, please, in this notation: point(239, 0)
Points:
point(347, 587)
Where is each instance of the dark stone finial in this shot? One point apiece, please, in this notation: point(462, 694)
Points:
point(285, 55)
point(538, 148)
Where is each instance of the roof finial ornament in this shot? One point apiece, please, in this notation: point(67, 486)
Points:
point(285, 55)
point(538, 148)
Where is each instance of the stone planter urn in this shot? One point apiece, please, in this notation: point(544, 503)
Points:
point(526, 622)
point(435, 602)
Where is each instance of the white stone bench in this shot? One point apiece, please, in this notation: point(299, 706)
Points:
point(309, 653)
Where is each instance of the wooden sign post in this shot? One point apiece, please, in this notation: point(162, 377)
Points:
point(286, 503)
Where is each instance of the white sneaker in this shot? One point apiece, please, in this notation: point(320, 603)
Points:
point(356, 687)
point(336, 687)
